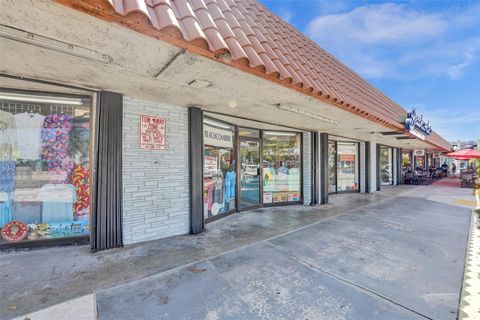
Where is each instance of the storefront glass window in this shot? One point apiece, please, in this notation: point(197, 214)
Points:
point(219, 176)
point(281, 167)
point(44, 166)
point(347, 173)
point(419, 162)
point(386, 165)
point(332, 167)
point(406, 159)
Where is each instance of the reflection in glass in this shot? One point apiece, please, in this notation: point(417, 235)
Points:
point(219, 177)
point(332, 167)
point(249, 173)
point(347, 173)
point(419, 162)
point(44, 167)
point(386, 165)
point(281, 167)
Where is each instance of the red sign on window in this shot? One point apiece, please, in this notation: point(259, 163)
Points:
point(152, 132)
point(347, 157)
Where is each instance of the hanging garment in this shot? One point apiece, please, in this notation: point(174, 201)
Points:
point(57, 202)
point(7, 136)
point(27, 211)
point(208, 193)
point(230, 179)
point(56, 139)
point(7, 175)
point(80, 140)
point(6, 208)
point(29, 127)
point(80, 180)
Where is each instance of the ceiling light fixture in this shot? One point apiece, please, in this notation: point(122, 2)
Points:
point(40, 99)
point(306, 113)
point(273, 133)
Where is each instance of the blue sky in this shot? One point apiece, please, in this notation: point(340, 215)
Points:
point(422, 54)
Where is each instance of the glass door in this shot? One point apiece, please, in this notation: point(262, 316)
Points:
point(249, 172)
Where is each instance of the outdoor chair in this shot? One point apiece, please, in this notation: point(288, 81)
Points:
point(439, 173)
point(466, 179)
point(424, 180)
point(409, 178)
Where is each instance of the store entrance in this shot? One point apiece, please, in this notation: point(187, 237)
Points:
point(249, 173)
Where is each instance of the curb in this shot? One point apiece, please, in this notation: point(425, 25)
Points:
point(470, 295)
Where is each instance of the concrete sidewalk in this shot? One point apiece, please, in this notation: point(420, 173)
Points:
point(400, 258)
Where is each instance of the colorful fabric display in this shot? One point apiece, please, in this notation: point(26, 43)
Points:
point(56, 139)
point(7, 175)
point(80, 180)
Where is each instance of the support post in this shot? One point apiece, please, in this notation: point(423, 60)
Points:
point(195, 119)
point(323, 140)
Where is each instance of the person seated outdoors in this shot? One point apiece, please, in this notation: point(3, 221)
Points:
point(445, 169)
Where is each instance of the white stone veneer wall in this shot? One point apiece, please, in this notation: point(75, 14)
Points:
point(155, 183)
point(307, 168)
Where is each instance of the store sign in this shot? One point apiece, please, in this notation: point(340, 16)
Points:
point(417, 126)
point(14, 231)
point(152, 132)
point(419, 153)
point(217, 137)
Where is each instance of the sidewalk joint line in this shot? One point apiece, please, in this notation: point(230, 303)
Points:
point(309, 264)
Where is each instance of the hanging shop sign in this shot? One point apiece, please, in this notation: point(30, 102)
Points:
point(152, 132)
point(419, 153)
point(217, 137)
point(417, 126)
point(14, 231)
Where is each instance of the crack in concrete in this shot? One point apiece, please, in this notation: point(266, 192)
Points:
point(353, 284)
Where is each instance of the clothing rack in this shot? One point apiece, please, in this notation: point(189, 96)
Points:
point(15, 108)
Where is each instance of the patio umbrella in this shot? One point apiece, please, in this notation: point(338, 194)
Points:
point(465, 154)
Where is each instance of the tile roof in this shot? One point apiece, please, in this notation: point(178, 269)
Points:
point(251, 34)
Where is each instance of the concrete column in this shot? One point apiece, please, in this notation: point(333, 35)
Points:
point(372, 167)
point(323, 167)
point(362, 168)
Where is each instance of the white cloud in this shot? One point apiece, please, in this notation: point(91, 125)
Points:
point(455, 72)
point(395, 41)
point(379, 23)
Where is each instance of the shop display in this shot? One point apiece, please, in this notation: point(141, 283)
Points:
point(28, 127)
point(281, 166)
point(219, 177)
point(386, 165)
point(343, 174)
point(7, 135)
point(44, 170)
point(14, 231)
point(269, 169)
point(347, 171)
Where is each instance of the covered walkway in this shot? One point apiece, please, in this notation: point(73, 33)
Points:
point(366, 256)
